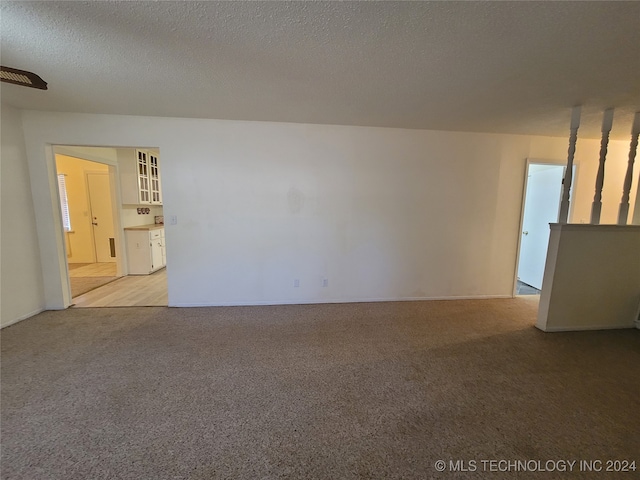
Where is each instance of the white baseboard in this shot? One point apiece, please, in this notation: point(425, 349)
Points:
point(333, 301)
point(23, 317)
point(583, 328)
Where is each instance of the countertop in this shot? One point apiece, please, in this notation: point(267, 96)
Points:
point(151, 226)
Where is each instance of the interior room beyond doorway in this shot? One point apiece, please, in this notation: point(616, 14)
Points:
point(106, 253)
point(87, 216)
point(541, 206)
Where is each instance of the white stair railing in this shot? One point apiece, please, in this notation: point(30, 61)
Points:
point(596, 206)
point(568, 174)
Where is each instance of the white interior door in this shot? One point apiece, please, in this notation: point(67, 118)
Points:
point(541, 207)
point(101, 216)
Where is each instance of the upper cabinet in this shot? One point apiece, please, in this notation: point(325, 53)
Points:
point(154, 177)
point(139, 176)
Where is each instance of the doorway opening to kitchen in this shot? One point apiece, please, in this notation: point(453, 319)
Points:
point(112, 221)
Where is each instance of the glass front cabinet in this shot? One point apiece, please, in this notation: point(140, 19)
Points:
point(140, 177)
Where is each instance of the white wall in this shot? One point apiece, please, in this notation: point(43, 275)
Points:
point(22, 293)
point(635, 215)
point(380, 213)
point(592, 278)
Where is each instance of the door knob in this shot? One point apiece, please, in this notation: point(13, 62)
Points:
point(525, 233)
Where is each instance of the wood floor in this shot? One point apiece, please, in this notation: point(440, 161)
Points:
point(92, 269)
point(84, 277)
point(129, 291)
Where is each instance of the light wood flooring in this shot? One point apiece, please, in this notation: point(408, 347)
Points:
point(129, 291)
point(92, 269)
point(84, 277)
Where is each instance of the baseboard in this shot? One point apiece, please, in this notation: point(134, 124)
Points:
point(587, 328)
point(335, 301)
point(23, 317)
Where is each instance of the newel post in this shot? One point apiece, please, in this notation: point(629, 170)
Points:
point(596, 206)
point(623, 212)
point(568, 174)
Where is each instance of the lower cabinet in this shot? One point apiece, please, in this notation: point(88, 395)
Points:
point(145, 250)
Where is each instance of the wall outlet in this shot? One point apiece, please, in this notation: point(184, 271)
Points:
point(325, 282)
point(296, 283)
point(173, 220)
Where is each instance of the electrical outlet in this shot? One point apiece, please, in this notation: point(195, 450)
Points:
point(173, 220)
point(296, 283)
point(325, 282)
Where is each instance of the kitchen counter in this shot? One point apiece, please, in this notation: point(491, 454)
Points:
point(151, 226)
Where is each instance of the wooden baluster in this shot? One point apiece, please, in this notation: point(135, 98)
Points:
point(568, 174)
point(596, 206)
point(623, 212)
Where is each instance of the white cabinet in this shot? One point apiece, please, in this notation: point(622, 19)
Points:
point(140, 178)
point(145, 249)
point(154, 179)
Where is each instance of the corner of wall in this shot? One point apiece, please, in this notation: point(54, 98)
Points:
point(21, 284)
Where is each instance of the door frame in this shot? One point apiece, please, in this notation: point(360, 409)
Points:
point(539, 161)
point(114, 185)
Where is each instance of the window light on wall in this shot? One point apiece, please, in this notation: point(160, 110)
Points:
point(64, 203)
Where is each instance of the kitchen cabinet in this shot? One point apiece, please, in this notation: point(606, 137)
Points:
point(145, 249)
point(140, 176)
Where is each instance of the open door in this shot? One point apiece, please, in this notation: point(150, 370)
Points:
point(102, 216)
point(541, 207)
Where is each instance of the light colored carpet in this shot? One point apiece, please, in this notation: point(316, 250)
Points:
point(371, 390)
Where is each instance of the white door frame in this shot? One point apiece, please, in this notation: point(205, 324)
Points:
point(537, 161)
point(121, 264)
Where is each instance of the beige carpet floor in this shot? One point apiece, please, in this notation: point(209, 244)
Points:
point(371, 390)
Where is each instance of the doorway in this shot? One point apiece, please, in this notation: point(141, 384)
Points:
point(543, 194)
point(100, 205)
point(88, 219)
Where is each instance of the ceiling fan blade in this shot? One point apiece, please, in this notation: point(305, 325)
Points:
point(22, 77)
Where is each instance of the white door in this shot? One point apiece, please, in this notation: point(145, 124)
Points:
point(101, 216)
point(541, 207)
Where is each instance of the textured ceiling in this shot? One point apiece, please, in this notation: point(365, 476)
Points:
point(507, 67)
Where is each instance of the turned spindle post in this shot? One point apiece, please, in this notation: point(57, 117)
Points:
point(568, 174)
point(623, 212)
point(596, 206)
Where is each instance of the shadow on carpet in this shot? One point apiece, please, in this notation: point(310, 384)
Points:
point(81, 285)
